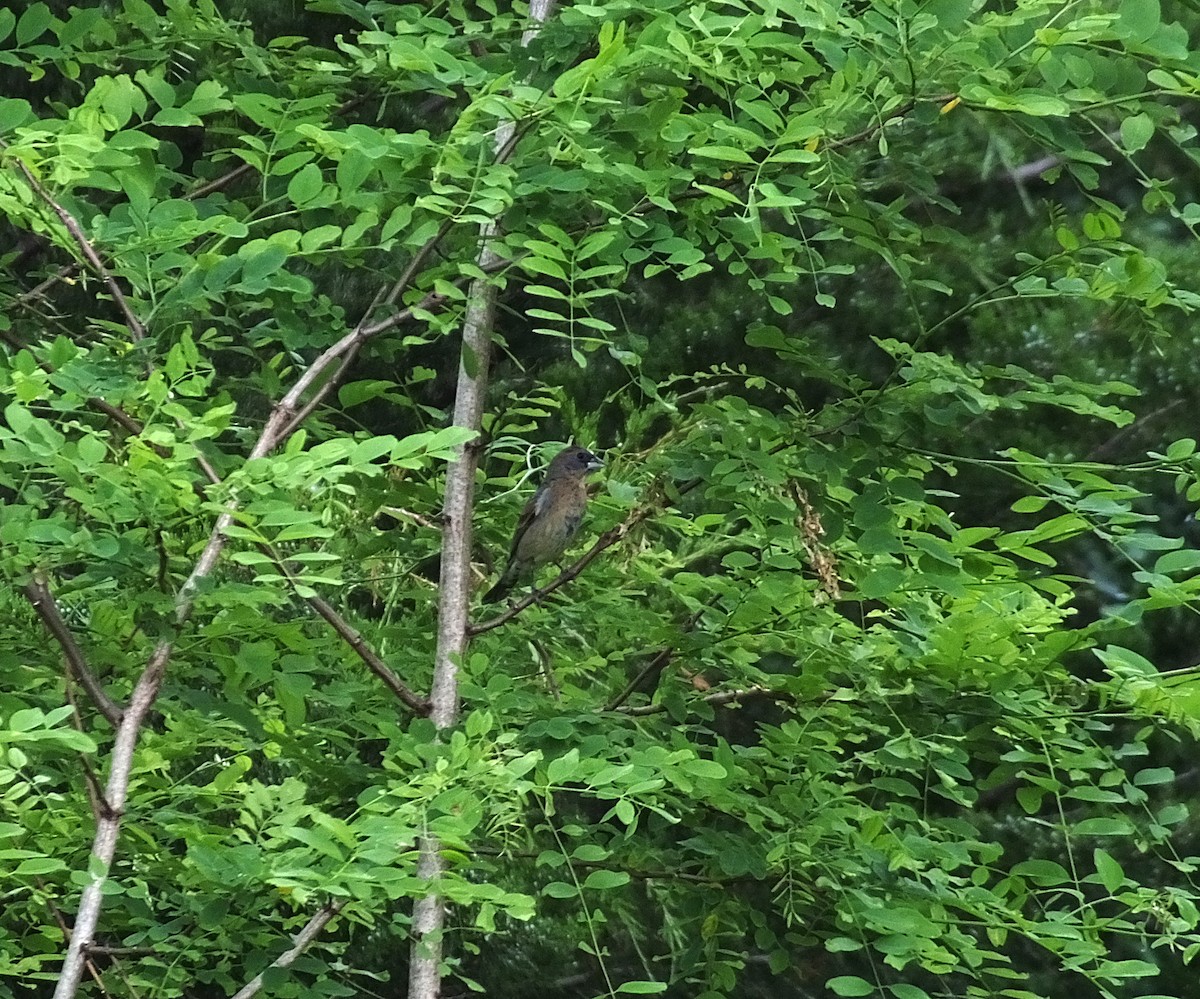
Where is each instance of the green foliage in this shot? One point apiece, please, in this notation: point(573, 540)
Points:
point(823, 719)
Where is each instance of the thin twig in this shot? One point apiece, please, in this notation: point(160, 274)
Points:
point(720, 697)
point(106, 951)
point(1102, 452)
point(656, 665)
point(37, 592)
point(66, 932)
point(227, 178)
point(301, 942)
point(547, 663)
point(289, 406)
point(417, 518)
point(90, 780)
point(64, 272)
point(136, 329)
point(219, 183)
point(634, 872)
point(606, 540)
point(368, 656)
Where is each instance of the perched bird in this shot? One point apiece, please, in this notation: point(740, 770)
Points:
point(550, 518)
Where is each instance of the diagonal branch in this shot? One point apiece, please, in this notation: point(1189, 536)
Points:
point(389, 298)
point(350, 636)
point(369, 656)
point(739, 696)
point(606, 540)
point(37, 592)
point(301, 942)
point(136, 329)
point(274, 433)
point(656, 665)
point(108, 825)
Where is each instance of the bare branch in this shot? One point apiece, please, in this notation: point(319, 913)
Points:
point(66, 932)
point(641, 874)
point(108, 826)
point(603, 543)
point(454, 603)
point(105, 951)
point(656, 665)
point(136, 329)
point(37, 592)
point(417, 518)
point(230, 176)
point(389, 298)
point(300, 944)
point(1142, 425)
point(220, 183)
point(62, 274)
point(368, 656)
point(720, 697)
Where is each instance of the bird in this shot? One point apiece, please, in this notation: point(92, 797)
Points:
point(550, 518)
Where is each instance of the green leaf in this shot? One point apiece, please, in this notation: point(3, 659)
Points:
point(850, 985)
point(726, 154)
point(39, 865)
point(1136, 132)
point(602, 880)
point(559, 889)
point(563, 768)
point(1110, 872)
point(13, 113)
point(1043, 872)
point(881, 582)
point(1137, 20)
point(26, 719)
point(1104, 827)
point(1185, 560)
point(904, 991)
point(305, 185)
point(33, 23)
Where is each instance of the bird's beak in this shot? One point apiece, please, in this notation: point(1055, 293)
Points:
point(594, 464)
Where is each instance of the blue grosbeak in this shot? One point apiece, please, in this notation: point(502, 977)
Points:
point(550, 518)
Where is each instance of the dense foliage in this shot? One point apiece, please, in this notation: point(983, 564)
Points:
point(860, 691)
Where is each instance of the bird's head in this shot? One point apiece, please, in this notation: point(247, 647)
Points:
point(573, 460)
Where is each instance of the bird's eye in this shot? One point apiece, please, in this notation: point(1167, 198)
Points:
point(581, 455)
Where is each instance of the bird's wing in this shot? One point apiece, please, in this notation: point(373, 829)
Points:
point(533, 509)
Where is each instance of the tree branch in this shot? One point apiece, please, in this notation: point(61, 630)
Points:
point(454, 597)
point(108, 826)
point(656, 665)
point(136, 329)
point(301, 942)
point(720, 697)
point(634, 872)
point(368, 656)
point(390, 298)
point(66, 932)
point(603, 543)
point(37, 592)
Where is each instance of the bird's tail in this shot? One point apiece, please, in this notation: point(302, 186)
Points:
point(503, 584)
